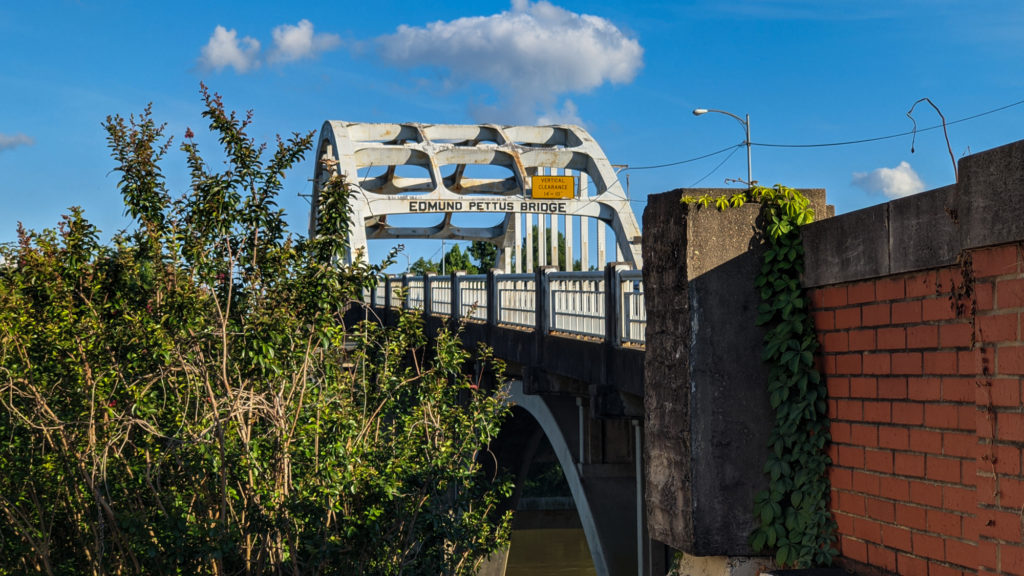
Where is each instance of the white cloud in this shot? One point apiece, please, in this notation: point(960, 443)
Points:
point(9, 142)
point(225, 49)
point(530, 54)
point(296, 42)
point(893, 182)
point(569, 114)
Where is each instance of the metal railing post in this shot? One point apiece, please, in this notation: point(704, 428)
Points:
point(405, 291)
point(542, 285)
point(492, 297)
point(456, 299)
point(428, 308)
point(612, 304)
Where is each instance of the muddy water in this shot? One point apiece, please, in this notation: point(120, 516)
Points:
point(561, 552)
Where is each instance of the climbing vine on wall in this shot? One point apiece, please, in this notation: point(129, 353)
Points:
point(792, 514)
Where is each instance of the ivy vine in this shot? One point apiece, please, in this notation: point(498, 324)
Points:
point(793, 514)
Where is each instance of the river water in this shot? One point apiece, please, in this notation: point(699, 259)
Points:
point(549, 552)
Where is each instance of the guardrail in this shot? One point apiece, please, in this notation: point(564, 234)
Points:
point(606, 305)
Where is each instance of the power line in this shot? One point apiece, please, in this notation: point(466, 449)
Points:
point(876, 139)
point(715, 169)
point(687, 161)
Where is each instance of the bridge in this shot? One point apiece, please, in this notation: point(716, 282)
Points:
point(574, 344)
point(645, 464)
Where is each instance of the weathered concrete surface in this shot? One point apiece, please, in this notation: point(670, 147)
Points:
point(926, 230)
point(707, 416)
point(721, 566)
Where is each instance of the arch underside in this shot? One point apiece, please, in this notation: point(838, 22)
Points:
point(447, 169)
point(534, 405)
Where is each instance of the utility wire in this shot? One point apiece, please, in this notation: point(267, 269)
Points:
point(715, 169)
point(876, 139)
point(687, 161)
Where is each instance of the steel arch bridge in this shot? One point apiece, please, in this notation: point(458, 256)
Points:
point(532, 175)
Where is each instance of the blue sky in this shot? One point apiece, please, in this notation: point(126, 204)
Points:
point(807, 72)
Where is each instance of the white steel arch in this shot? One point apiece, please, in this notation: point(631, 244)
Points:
point(423, 170)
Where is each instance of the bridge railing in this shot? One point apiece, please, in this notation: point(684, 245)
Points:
point(604, 305)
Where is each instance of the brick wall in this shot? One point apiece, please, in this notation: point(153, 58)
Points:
point(927, 422)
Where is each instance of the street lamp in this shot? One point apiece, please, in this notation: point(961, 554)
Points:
point(746, 127)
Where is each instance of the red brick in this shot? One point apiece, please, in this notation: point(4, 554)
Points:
point(925, 336)
point(835, 342)
point(894, 488)
point(860, 293)
point(852, 457)
point(863, 388)
point(892, 437)
point(878, 461)
point(924, 388)
point(896, 537)
point(833, 296)
point(922, 284)
point(1010, 427)
point(945, 523)
point(1000, 392)
point(848, 364)
point(864, 435)
point(878, 412)
point(893, 388)
point(911, 516)
point(907, 413)
point(875, 314)
point(847, 318)
point(941, 362)
point(967, 417)
point(958, 389)
point(849, 410)
point(1010, 293)
point(941, 416)
point(995, 261)
point(826, 364)
point(910, 565)
point(838, 386)
point(840, 432)
point(892, 338)
point(890, 289)
point(962, 554)
point(1012, 557)
point(985, 295)
point(1010, 359)
point(906, 363)
point(980, 361)
point(840, 478)
point(959, 444)
point(928, 546)
point(844, 522)
point(955, 335)
point(968, 470)
point(862, 339)
point(881, 557)
point(928, 441)
point(854, 549)
point(1001, 525)
point(867, 530)
point(998, 327)
point(866, 483)
point(925, 494)
point(908, 465)
point(852, 503)
point(877, 363)
point(958, 499)
point(942, 469)
point(988, 554)
point(1007, 460)
point(906, 312)
point(934, 309)
point(1011, 493)
point(824, 319)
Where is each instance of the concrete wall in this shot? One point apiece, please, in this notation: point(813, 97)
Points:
point(707, 417)
point(918, 308)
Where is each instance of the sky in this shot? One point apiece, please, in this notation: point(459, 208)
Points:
point(806, 72)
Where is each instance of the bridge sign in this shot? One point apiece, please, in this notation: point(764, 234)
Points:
point(553, 187)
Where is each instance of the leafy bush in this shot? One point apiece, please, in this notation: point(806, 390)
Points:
point(187, 398)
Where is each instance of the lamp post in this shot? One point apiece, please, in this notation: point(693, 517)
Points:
point(746, 127)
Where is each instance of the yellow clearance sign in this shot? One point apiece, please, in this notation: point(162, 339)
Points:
point(554, 187)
